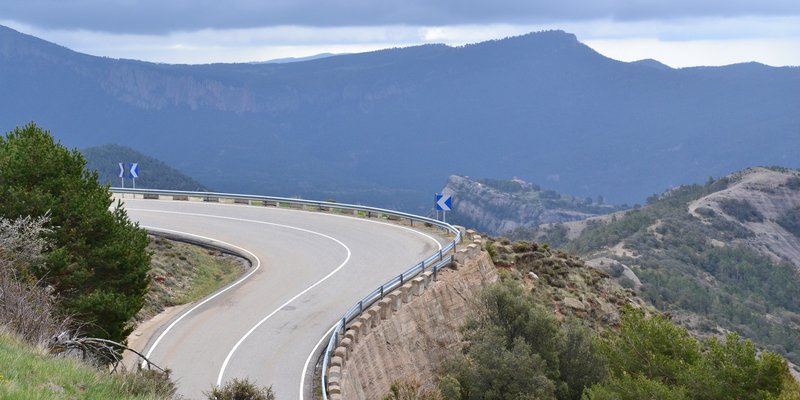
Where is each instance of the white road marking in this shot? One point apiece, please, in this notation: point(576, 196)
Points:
point(236, 346)
point(227, 359)
point(314, 351)
point(241, 340)
point(169, 328)
point(310, 356)
point(321, 213)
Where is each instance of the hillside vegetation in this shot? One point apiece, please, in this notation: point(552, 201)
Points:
point(515, 208)
point(555, 328)
point(720, 256)
point(153, 173)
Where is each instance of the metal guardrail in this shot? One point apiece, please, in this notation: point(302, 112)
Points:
point(433, 263)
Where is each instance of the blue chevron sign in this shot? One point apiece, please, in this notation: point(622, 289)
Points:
point(444, 202)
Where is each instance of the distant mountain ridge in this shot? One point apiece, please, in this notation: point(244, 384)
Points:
point(296, 59)
point(388, 127)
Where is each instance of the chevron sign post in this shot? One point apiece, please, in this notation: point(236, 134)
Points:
point(134, 170)
point(444, 203)
point(122, 174)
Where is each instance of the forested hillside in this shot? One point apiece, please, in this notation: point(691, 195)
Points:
point(719, 256)
point(153, 173)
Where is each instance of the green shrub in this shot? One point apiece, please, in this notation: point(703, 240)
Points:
point(240, 389)
point(26, 308)
point(705, 211)
point(410, 389)
point(793, 182)
point(653, 358)
point(791, 221)
point(492, 250)
point(521, 246)
point(148, 382)
point(617, 270)
point(635, 388)
point(627, 283)
point(742, 210)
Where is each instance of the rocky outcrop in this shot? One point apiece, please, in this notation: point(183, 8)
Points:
point(497, 207)
point(771, 194)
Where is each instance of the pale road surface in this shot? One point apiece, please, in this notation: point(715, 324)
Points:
point(296, 249)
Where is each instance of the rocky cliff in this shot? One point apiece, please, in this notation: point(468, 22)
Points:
point(497, 207)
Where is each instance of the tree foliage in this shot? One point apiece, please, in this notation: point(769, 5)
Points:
point(653, 358)
point(651, 347)
point(98, 263)
point(518, 350)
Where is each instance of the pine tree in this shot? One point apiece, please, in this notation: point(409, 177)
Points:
point(98, 264)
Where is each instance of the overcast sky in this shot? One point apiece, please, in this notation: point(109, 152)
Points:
point(677, 32)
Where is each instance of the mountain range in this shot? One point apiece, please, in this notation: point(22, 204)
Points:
point(388, 127)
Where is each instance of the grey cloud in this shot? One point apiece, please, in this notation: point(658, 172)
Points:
point(150, 16)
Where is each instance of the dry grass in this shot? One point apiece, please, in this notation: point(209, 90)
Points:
point(181, 273)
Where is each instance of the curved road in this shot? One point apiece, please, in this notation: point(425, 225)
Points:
point(310, 267)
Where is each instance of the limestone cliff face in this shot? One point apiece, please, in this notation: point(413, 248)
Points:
point(416, 339)
point(152, 90)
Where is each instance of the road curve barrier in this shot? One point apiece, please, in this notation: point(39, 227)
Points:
point(432, 264)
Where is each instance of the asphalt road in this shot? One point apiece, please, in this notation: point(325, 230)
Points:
point(311, 267)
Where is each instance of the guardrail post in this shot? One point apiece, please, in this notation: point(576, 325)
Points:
point(381, 291)
point(360, 307)
point(402, 280)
